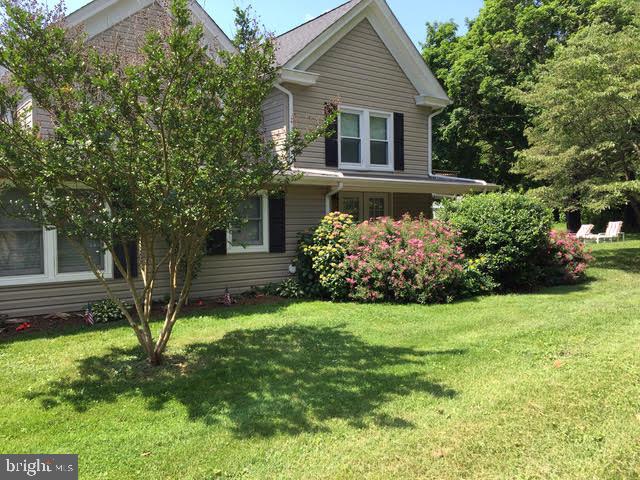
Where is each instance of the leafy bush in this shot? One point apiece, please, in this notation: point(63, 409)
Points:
point(290, 288)
point(476, 280)
point(567, 259)
point(106, 311)
point(509, 231)
point(403, 261)
point(320, 255)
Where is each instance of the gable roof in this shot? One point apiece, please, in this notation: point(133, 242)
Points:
point(300, 48)
point(100, 15)
point(291, 42)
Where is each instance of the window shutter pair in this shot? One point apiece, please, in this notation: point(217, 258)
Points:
point(217, 241)
point(331, 144)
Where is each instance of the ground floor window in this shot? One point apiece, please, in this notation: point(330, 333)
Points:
point(252, 234)
point(365, 206)
point(32, 254)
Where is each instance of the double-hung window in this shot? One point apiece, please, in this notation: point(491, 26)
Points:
point(365, 139)
point(31, 254)
point(252, 233)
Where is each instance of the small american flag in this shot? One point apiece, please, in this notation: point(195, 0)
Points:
point(88, 316)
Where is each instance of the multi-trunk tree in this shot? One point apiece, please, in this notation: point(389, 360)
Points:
point(158, 148)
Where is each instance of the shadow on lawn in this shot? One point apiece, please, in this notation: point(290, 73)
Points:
point(626, 259)
point(262, 382)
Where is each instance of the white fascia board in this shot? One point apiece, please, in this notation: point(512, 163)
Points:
point(298, 77)
point(432, 102)
point(393, 36)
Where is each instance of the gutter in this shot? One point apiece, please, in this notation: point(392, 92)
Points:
point(329, 195)
point(290, 96)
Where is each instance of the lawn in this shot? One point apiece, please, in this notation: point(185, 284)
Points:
point(542, 385)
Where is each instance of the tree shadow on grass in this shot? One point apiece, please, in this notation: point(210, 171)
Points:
point(283, 380)
point(626, 259)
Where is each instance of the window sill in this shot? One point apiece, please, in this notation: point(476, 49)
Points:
point(44, 279)
point(253, 249)
point(369, 168)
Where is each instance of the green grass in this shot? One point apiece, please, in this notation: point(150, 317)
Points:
point(543, 385)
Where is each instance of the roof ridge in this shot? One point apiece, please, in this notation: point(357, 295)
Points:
point(314, 18)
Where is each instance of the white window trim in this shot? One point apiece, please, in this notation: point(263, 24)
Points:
point(264, 248)
point(365, 140)
point(50, 261)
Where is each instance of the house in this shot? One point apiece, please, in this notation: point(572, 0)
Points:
point(378, 163)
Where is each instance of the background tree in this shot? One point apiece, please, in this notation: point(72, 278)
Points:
point(585, 135)
point(159, 149)
point(481, 133)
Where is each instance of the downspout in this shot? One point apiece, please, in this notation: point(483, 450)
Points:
point(290, 96)
point(329, 195)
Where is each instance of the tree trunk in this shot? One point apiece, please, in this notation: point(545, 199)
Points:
point(574, 220)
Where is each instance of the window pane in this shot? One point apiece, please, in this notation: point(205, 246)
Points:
point(21, 253)
point(379, 153)
point(248, 234)
point(376, 207)
point(350, 150)
point(350, 125)
point(378, 128)
point(251, 208)
point(351, 205)
point(70, 260)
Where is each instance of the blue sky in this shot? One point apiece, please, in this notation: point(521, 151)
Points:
point(281, 15)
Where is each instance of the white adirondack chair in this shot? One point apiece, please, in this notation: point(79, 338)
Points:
point(614, 232)
point(584, 232)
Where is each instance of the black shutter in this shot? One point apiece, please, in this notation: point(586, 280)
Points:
point(277, 231)
point(217, 243)
point(132, 249)
point(331, 141)
point(398, 141)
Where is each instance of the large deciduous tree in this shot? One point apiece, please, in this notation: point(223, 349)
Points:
point(159, 147)
point(585, 134)
point(481, 132)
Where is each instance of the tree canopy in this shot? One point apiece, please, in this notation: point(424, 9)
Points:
point(585, 133)
point(480, 134)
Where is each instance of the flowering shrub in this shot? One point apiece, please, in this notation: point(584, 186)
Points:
point(403, 261)
point(567, 259)
point(320, 256)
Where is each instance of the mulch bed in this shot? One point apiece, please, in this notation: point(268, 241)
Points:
point(58, 322)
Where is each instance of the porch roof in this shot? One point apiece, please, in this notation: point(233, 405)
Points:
point(371, 182)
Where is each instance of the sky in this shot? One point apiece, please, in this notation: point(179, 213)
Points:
point(278, 16)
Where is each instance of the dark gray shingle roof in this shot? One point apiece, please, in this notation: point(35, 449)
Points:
point(290, 43)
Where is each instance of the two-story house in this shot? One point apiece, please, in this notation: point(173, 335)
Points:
point(377, 164)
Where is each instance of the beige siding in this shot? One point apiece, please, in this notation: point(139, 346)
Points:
point(275, 113)
point(360, 71)
point(304, 209)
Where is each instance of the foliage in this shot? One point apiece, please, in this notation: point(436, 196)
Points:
point(289, 288)
point(182, 127)
point(481, 133)
point(585, 135)
point(106, 311)
point(324, 250)
point(403, 261)
point(567, 259)
point(506, 231)
point(476, 279)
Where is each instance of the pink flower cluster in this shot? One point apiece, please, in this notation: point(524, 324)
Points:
point(568, 258)
point(408, 260)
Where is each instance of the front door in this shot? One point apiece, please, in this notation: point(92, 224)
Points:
point(365, 206)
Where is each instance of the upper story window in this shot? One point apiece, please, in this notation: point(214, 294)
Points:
point(31, 254)
point(365, 139)
point(252, 235)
